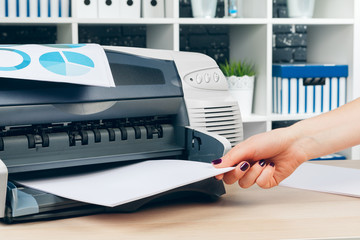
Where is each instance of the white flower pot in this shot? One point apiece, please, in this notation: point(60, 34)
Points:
point(301, 8)
point(242, 89)
point(204, 8)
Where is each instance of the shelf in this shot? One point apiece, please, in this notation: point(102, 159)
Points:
point(31, 21)
point(313, 21)
point(195, 21)
point(254, 118)
point(223, 21)
point(139, 21)
point(284, 117)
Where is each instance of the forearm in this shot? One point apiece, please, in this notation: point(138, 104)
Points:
point(329, 132)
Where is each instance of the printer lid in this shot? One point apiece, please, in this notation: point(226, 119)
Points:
point(135, 77)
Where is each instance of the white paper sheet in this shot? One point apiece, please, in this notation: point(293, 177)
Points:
point(322, 178)
point(84, 64)
point(128, 183)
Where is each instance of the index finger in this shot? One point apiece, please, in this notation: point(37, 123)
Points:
point(241, 152)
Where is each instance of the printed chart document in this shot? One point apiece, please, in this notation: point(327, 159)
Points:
point(84, 64)
point(322, 178)
point(125, 184)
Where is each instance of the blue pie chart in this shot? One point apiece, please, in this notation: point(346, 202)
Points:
point(25, 60)
point(66, 63)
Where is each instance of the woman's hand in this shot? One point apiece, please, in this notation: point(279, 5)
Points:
point(270, 157)
point(265, 159)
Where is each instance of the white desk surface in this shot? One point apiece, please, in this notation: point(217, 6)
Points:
point(254, 213)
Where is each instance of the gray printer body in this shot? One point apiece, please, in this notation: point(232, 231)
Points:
point(159, 109)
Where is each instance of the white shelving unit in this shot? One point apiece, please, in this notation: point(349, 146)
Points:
point(333, 37)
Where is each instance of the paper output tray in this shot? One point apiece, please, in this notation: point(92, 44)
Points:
point(199, 145)
point(54, 207)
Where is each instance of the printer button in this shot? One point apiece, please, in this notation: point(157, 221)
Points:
point(207, 77)
point(216, 77)
point(199, 78)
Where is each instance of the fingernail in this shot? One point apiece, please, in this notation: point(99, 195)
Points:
point(244, 166)
point(216, 161)
point(272, 164)
point(262, 162)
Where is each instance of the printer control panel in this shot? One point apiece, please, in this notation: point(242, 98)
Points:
point(207, 79)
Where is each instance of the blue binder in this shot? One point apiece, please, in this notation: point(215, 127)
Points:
point(36, 8)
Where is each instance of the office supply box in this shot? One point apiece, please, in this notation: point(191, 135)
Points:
point(130, 9)
point(308, 88)
point(153, 8)
point(108, 9)
point(87, 9)
point(156, 111)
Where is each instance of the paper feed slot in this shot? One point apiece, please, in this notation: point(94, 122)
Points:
point(48, 206)
point(28, 204)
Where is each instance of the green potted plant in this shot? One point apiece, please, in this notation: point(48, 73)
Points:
point(240, 76)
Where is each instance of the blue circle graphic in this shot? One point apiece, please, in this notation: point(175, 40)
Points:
point(25, 62)
point(66, 63)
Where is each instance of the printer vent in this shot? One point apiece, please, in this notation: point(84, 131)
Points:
point(222, 120)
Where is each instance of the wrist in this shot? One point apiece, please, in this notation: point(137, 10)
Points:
point(303, 140)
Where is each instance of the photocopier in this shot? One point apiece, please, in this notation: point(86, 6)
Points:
point(166, 105)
